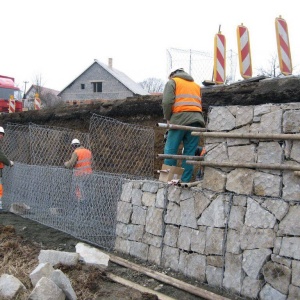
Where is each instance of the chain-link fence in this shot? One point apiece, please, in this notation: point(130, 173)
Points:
point(122, 148)
point(40, 188)
point(200, 64)
point(40, 145)
point(49, 195)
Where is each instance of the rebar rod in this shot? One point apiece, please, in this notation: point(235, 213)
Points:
point(180, 157)
point(272, 136)
point(173, 126)
point(244, 165)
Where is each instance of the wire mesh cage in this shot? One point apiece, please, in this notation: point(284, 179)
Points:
point(200, 64)
point(121, 148)
point(40, 188)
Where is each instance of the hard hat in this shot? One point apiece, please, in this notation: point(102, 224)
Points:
point(175, 70)
point(1, 129)
point(75, 142)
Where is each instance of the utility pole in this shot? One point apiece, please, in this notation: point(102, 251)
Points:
point(25, 82)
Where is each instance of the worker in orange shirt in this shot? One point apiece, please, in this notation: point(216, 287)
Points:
point(81, 162)
point(4, 161)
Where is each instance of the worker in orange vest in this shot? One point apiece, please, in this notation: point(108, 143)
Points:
point(182, 105)
point(4, 161)
point(81, 162)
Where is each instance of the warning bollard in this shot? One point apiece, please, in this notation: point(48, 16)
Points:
point(219, 58)
point(12, 104)
point(283, 46)
point(37, 102)
point(244, 51)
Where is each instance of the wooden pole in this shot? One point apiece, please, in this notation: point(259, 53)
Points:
point(180, 157)
point(189, 184)
point(244, 165)
point(167, 279)
point(137, 287)
point(271, 136)
point(173, 126)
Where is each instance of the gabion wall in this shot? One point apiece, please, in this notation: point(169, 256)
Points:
point(238, 230)
point(40, 188)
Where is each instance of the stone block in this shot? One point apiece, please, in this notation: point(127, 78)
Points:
point(139, 250)
point(171, 235)
point(42, 270)
point(170, 258)
point(187, 213)
point(214, 276)
point(154, 221)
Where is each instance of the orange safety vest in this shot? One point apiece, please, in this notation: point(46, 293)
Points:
point(84, 162)
point(187, 96)
point(1, 165)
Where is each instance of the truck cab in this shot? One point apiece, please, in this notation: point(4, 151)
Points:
point(8, 89)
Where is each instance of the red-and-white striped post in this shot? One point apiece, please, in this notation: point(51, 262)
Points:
point(244, 51)
point(11, 104)
point(37, 102)
point(219, 58)
point(283, 46)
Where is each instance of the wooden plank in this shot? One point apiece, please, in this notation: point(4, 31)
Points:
point(189, 184)
point(245, 165)
point(231, 135)
point(180, 157)
point(173, 126)
point(167, 279)
point(137, 287)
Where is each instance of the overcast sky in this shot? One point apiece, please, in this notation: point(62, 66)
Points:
point(60, 39)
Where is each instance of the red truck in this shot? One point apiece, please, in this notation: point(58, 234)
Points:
point(8, 88)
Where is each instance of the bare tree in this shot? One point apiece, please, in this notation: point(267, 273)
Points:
point(48, 98)
point(153, 85)
point(37, 81)
point(273, 69)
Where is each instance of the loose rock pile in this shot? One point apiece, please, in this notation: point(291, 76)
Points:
point(50, 283)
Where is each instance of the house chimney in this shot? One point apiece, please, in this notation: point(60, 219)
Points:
point(110, 63)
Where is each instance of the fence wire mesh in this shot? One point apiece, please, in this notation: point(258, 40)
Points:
point(121, 148)
point(16, 143)
point(40, 188)
point(200, 64)
point(49, 195)
point(40, 145)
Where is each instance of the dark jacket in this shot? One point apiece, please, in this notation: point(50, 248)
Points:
point(4, 160)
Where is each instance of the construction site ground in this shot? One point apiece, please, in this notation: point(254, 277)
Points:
point(22, 239)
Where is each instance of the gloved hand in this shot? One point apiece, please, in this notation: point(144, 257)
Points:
point(11, 163)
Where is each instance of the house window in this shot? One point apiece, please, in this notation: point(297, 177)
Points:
point(82, 86)
point(97, 87)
